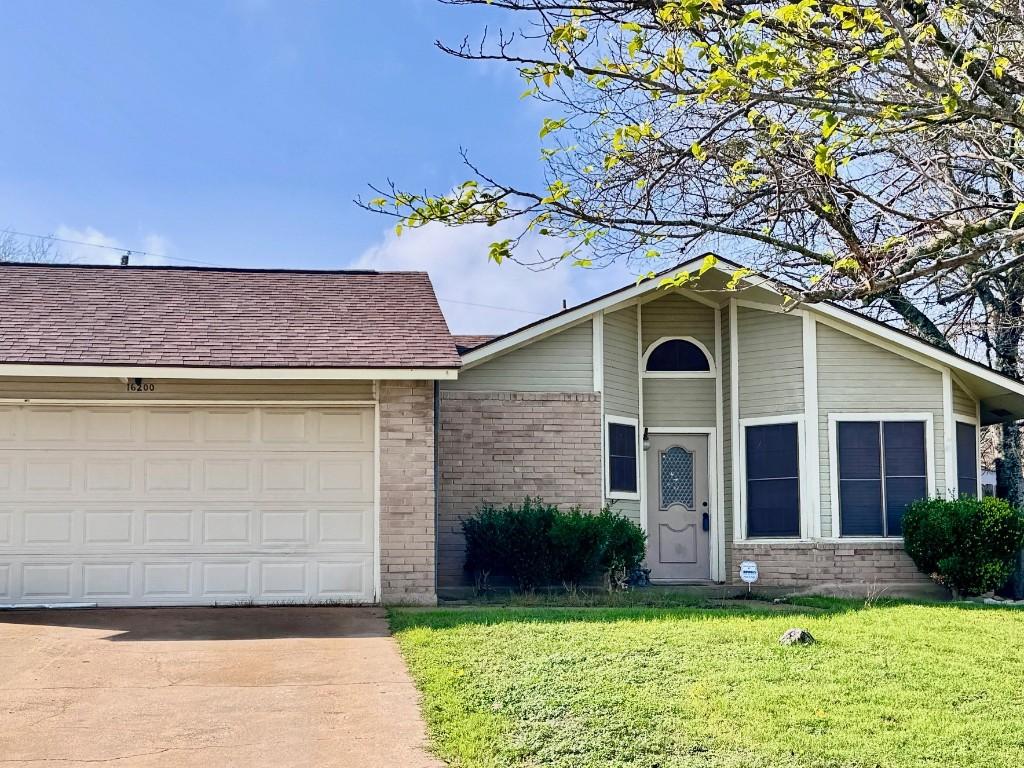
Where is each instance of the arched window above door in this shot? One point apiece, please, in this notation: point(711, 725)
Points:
point(678, 357)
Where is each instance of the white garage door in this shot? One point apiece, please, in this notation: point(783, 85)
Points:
point(127, 505)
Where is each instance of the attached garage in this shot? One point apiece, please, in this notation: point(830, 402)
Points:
point(197, 437)
point(129, 505)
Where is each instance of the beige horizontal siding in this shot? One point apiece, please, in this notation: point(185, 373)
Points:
point(855, 376)
point(621, 380)
point(679, 402)
point(963, 403)
point(562, 362)
point(771, 363)
point(676, 315)
point(178, 389)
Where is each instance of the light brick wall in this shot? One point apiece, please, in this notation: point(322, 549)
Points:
point(407, 492)
point(811, 564)
point(499, 447)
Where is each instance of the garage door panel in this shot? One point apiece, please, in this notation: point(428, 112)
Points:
point(227, 528)
point(169, 580)
point(163, 505)
point(169, 426)
point(226, 579)
point(106, 528)
point(236, 427)
point(47, 580)
point(49, 425)
point(107, 580)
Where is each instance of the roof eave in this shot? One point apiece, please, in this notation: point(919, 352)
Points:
point(60, 370)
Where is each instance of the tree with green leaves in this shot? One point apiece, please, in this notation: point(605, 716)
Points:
point(861, 151)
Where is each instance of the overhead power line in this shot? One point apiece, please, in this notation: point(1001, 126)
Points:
point(492, 306)
point(116, 248)
point(139, 252)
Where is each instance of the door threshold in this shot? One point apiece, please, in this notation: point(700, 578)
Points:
point(684, 582)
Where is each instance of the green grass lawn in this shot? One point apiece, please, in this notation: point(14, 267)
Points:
point(886, 685)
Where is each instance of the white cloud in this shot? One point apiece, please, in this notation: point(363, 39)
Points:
point(84, 247)
point(478, 296)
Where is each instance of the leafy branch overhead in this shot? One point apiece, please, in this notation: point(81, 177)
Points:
point(851, 148)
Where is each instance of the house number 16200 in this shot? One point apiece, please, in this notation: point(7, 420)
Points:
point(140, 386)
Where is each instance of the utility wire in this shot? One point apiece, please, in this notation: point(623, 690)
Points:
point(492, 306)
point(138, 252)
point(119, 249)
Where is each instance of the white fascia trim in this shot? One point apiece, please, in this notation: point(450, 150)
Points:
point(608, 492)
point(936, 357)
point(760, 421)
point(833, 459)
point(253, 374)
point(812, 453)
point(519, 338)
point(186, 402)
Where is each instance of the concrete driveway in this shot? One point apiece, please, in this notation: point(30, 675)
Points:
point(206, 687)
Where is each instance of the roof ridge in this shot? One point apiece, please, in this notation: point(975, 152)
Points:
point(192, 268)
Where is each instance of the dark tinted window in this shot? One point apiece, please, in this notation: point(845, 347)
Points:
point(967, 459)
point(677, 355)
point(773, 480)
point(622, 458)
point(882, 468)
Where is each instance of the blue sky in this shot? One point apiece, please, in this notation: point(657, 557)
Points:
point(238, 132)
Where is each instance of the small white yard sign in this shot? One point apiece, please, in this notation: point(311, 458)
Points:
point(748, 571)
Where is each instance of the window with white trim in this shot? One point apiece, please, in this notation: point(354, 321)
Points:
point(773, 480)
point(677, 356)
point(621, 447)
point(883, 466)
point(966, 458)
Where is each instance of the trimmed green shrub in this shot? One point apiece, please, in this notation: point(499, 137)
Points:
point(534, 544)
point(968, 545)
point(625, 547)
point(576, 543)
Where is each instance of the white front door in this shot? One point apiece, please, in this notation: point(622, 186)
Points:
point(126, 505)
point(678, 510)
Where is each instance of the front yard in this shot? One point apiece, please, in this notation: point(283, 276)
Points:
point(889, 685)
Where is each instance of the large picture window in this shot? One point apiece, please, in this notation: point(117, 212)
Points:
point(966, 459)
point(622, 473)
point(773, 480)
point(883, 466)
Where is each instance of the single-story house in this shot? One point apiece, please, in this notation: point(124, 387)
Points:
point(179, 436)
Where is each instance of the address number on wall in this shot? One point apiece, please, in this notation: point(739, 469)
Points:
point(138, 385)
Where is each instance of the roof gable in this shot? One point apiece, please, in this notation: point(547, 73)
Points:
point(987, 383)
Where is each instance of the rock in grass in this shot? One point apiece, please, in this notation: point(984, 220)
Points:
point(796, 636)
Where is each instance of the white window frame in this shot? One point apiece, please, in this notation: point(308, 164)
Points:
point(961, 419)
point(833, 462)
point(805, 504)
point(606, 458)
point(711, 373)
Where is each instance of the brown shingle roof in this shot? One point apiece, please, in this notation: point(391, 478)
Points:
point(173, 316)
point(467, 341)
